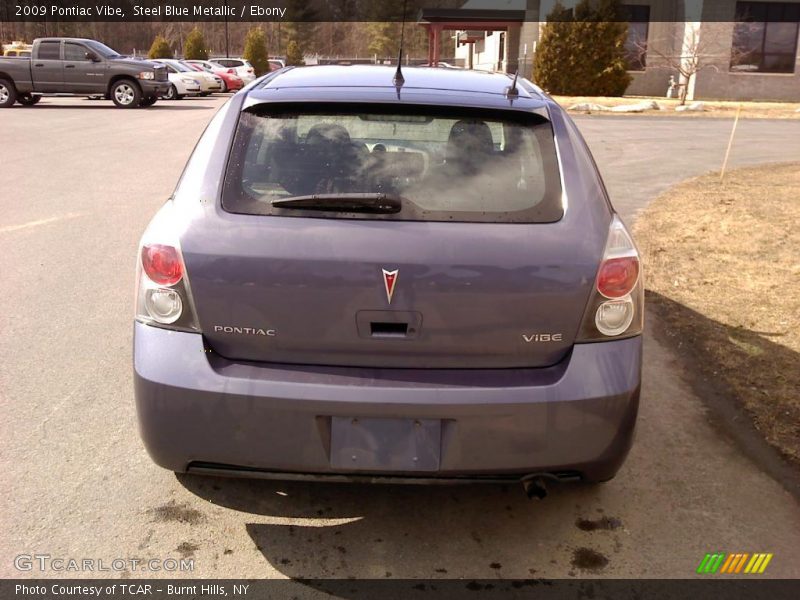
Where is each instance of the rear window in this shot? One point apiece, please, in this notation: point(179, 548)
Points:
point(430, 164)
point(230, 63)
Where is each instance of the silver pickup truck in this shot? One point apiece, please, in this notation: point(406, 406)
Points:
point(82, 68)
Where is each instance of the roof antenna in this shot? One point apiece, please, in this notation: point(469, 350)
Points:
point(513, 91)
point(398, 79)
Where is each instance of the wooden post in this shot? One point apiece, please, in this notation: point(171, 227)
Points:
point(730, 144)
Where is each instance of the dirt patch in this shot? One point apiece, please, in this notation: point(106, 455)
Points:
point(722, 270)
point(172, 512)
point(713, 108)
point(587, 559)
point(187, 549)
point(604, 523)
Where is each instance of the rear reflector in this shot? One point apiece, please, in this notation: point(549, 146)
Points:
point(162, 264)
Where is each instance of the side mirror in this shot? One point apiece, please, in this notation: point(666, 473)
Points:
point(92, 57)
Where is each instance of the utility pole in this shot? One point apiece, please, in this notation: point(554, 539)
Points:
point(227, 50)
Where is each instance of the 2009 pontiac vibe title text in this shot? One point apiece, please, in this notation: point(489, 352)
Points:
point(165, 10)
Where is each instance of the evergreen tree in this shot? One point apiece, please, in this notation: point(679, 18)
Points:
point(299, 28)
point(553, 62)
point(294, 56)
point(582, 52)
point(384, 39)
point(599, 36)
point(195, 46)
point(255, 50)
point(160, 48)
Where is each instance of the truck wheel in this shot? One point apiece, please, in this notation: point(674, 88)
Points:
point(28, 99)
point(126, 94)
point(148, 102)
point(8, 93)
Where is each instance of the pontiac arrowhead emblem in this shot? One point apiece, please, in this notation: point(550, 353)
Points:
point(389, 281)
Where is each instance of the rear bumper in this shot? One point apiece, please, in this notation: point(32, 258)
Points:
point(198, 409)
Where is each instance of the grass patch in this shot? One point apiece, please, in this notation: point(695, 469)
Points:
point(722, 271)
point(714, 108)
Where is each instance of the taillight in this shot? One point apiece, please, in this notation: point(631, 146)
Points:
point(617, 276)
point(162, 264)
point(616, 306)
point(231, 71)
point(163, 295)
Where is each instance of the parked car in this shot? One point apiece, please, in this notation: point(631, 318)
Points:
point(231, 82)
point(243, 68)
point(471, 310)
point(276, 63)
point(16, 49)
point(443, 65)
point(183, 83)
point(209, 83)
point(17, 52)
point(80, 67)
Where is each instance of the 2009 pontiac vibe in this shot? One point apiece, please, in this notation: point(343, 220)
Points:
point(417, 280)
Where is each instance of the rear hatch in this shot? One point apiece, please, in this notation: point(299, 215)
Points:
point(391, 238)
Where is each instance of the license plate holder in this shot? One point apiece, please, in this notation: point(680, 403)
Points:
point(378, 444)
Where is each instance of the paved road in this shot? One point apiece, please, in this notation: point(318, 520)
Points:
point(81, 180)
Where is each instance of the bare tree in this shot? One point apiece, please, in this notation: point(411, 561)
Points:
point(701, 47)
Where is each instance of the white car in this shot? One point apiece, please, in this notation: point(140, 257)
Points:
point(209, 83)
point(243, 68)
point(184, 82)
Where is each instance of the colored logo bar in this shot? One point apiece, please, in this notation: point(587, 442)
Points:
point(740, 562)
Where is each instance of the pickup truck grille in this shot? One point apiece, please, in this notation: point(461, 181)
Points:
point(161, 74)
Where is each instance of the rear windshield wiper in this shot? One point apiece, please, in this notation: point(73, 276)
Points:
point(351, 202)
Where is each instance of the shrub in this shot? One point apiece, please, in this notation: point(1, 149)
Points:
point(195, 46)
point(160, 48)
point(255, 51)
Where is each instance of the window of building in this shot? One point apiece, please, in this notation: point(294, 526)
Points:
point(638, 17)
point(765, 37)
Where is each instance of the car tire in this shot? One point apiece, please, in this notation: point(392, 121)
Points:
point(126, 93)
point(204, 94)
point(8, 93)
point(171, 94)
point(28, 99)
point(148, 101)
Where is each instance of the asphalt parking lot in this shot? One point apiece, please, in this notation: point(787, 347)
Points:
point(81, 180)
